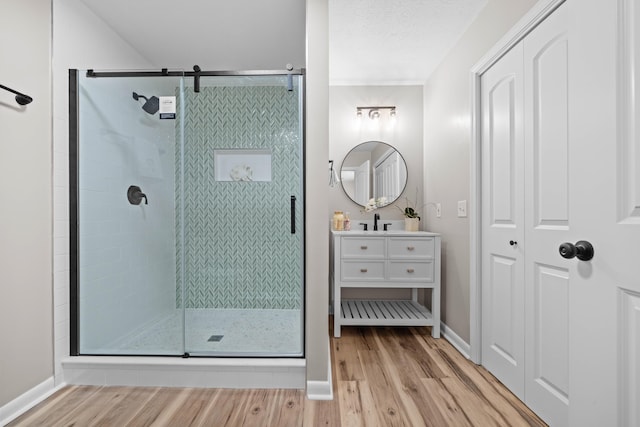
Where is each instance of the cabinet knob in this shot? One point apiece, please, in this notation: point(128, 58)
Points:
point(363, 270)
point(410, 248)
point(364, 248)
point(410, 270)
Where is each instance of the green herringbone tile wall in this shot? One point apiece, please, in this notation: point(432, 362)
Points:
point(238, 251)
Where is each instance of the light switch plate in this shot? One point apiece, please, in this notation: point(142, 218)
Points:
point(438, 210)
point(462, 209)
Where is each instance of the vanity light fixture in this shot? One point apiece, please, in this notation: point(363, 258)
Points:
point(375, 111)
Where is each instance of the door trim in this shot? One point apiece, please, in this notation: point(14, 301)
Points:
point(524, 26)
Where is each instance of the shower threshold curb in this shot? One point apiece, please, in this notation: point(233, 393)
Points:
point(190, 372)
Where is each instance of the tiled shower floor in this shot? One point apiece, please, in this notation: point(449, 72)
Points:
point(244, 333)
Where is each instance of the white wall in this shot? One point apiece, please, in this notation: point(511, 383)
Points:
point(80, 40)
point(447, 136)
point(26, 330)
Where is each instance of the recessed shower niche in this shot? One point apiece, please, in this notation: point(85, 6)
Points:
point(242, 165)
point(206, 252)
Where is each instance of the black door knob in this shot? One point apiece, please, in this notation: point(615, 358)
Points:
point(513, 242)
point(582, 250)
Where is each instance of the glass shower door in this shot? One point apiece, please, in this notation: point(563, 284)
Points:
point(125, 239)
point(241, 216)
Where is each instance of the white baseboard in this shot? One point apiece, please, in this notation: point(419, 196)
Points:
point(455, 340)
point(27, 400)
point(321, 390)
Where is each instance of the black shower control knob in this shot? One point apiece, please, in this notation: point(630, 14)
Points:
point(582, 250)
point(135, 195)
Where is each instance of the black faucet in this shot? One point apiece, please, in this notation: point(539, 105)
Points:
point(376, 217)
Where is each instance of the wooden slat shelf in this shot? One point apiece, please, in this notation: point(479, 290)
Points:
point(384, 312)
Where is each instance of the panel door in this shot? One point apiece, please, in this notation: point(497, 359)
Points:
point(547, 222)
point(604, 67)
point(387, 181)
point(361, 183)
point(503, 221)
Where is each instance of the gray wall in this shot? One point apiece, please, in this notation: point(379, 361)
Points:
point(447, 136)
point(317, 224)
point(26, 329)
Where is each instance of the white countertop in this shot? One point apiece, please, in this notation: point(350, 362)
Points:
point(400, 233)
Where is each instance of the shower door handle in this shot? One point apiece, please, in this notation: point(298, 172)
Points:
point(293, 214)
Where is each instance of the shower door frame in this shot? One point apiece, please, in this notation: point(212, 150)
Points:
point(74, 180)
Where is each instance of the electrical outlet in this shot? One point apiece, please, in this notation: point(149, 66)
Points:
point(438, 210)
point(462, 209)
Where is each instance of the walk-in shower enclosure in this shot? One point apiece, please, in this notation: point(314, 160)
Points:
point(186, 211)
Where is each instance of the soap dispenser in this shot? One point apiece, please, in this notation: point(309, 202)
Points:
point(347, 222)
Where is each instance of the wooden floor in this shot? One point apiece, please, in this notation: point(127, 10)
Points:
point(381, 377)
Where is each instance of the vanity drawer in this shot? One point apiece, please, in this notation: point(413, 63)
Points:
point(411, 247)
point(362, 270)
point(370, 247)
point(409, 271)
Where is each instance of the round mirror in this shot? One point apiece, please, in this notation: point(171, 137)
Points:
point(373, 170)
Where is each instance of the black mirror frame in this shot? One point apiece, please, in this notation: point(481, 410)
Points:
point(404, 186)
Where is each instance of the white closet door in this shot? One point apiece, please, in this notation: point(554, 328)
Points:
point(604, 329)
point(503, 221)
point(581, 161)
point(547, 222)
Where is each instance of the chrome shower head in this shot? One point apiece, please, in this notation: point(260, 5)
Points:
point(151, 105)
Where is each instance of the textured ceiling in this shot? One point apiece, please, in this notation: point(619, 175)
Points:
point(393, 41)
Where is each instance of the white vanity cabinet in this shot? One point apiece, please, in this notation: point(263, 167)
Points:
point(395, 259)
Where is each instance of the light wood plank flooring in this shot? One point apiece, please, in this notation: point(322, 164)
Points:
point(381, 377)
